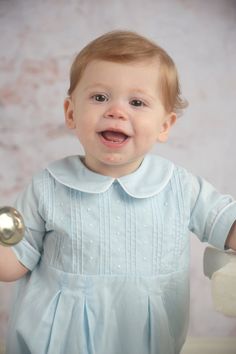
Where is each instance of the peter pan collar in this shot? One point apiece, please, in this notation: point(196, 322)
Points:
point(149, 179)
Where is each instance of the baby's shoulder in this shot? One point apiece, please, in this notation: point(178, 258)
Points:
point(63, 167)
point(175, 171)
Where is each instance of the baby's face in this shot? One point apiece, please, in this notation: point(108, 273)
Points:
point(117, 114)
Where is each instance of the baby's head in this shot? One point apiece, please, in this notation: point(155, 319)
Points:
point(128, 47)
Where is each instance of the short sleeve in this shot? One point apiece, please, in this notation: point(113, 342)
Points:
point(28, 251)
point(212, 213)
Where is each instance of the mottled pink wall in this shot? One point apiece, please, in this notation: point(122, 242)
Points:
point(38, 41)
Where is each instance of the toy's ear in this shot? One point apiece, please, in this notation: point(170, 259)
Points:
point(166, 126)
point(69, 113)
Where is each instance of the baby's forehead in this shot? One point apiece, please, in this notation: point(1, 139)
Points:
point(98, 67)
point(139, 72)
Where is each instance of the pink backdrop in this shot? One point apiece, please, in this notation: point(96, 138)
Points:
point(38, 42)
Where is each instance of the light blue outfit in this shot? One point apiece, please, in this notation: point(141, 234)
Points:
point(110, 258)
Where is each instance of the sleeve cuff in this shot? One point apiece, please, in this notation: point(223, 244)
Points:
point(222, 225)
point(26, 254)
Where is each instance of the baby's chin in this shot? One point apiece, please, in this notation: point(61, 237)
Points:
point(117, 165)
point(113, 159)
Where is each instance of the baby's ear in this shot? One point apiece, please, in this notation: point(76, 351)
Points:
point(167, 124)
point(69, 113)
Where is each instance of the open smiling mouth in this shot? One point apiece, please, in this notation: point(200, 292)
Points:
point(114, 137)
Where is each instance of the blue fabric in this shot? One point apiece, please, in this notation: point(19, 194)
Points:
point(109, 258)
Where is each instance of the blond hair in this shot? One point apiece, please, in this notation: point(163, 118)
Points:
point(125, 47)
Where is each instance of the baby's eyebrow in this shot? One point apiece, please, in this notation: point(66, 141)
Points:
point(96, 85)
point(142, 92)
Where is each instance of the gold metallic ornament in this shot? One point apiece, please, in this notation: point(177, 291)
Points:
point(12, 226)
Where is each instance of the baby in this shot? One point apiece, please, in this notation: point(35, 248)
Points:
point(104, 264)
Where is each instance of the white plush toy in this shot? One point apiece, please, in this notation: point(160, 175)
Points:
point(220, 267)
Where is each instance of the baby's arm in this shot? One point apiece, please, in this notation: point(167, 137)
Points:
point(10, 268)
point(231, 239)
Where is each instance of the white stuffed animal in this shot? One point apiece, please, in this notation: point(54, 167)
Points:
point(220, 267)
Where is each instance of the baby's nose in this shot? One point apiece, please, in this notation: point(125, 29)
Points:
point(116, 112)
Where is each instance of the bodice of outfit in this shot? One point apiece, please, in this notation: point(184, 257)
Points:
point(109, 258)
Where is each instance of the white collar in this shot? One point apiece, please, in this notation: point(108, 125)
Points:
point(149, 179)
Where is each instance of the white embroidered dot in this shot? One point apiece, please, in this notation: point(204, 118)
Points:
point(119, 266)
point(88, 209)
point(91, 258)
point(91, 241)
point(118, 217)
point(144, 258)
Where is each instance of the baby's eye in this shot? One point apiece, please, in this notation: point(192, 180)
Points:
point(137, 103)
point(99, 97)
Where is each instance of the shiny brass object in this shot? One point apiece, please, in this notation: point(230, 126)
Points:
point(12, 226)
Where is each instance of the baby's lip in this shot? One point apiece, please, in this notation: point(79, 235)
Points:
point(115, 130)
point(114, 136)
